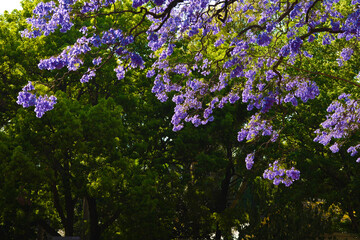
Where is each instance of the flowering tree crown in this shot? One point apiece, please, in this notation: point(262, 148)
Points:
point(235, 51)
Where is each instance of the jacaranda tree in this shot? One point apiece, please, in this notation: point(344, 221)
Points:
point(230, 51)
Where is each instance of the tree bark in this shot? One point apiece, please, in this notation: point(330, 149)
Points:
point(95, 231)
point(69, 202)
point(223, 196)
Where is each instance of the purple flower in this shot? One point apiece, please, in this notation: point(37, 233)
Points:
point(278, 174)
point(295, 45)
point(83, 30)
point(326, 40)
point(242, 135)
point(138, 3)
point(295, 12)
point(44, 104)
point(334, 148)
point(207, 113)
point(284, 51)
point(120, 72)
point(249, 160)
point(266, 104)
point(343, 96)
point(311, 38)
point(153, 37)
point(219, 42)
point(97, 61)
point(178, 99)
point(158, 2)
point(88, 76)
point(346, 53)
point(293, 174)
point(352, 150)
point(263, 39)
point(178, 127)
point(269, 75)
point(343, 117)
point(95, 41)
point(306, 54)
point(26, 99)
point(270, 27)
point(233, 97)
point(28, 87)
point(237, 72)
point(136, 61)
point(150, 73)
point(335, 25)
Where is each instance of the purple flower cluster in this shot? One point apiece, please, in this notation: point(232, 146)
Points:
point(25, 97)
point(353, 150)
point(345, 56)
point(255, 127)
point(291, 90)
point(278, 174)
point(186, 101)
point(263, 39)
point(120, 72)
point(219, 42)
point(69, 57)
point(351, 26)
point(343, 119)
point(48, 17)
point(97, 61)
point(88, 76)
point(95, 5)
point(249, 160)
point(136, 61)
point(253, 93)
point(42, 103)
point(300, 88)
point(293, 48)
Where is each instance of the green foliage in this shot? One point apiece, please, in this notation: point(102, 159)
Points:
point(105, 163)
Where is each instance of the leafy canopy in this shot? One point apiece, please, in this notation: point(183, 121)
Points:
point(233, 50)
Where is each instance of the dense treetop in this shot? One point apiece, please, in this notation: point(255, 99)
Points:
point(205, 54)
point(105, 163)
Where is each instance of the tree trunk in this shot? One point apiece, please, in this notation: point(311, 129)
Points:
point(69, 202)
point(95, 231)
point(223, 195)
point(218, 232)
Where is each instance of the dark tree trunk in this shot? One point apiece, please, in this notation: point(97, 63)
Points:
point(223, 195)
point(69, 202)
point(95, 230)
point(218, 232)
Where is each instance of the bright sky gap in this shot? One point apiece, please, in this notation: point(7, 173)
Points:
point(9, 5)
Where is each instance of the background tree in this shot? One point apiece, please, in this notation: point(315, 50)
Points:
point(106, 163)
